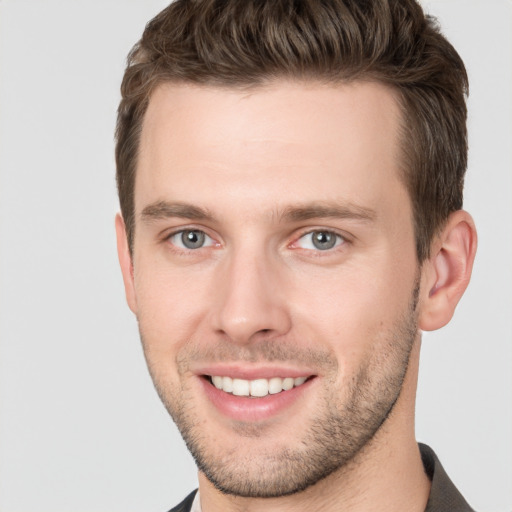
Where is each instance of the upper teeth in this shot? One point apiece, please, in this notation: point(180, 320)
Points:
point(257, 387)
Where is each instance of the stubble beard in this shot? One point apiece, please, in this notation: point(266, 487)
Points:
point(334, 437)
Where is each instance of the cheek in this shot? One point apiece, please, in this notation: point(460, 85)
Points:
point(349, 310)
point(169, 306)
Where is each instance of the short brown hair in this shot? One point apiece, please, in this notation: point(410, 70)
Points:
point(244, 43)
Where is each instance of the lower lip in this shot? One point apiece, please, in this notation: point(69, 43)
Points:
point(247, 409)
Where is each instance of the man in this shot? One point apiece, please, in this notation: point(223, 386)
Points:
point(290, 176)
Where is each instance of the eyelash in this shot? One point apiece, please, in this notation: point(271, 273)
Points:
point(340, 242)
point(168, 238)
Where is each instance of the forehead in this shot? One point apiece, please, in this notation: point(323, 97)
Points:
point(311, 140)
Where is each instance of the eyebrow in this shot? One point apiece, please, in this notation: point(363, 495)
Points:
point(323, 210)
point(160, 210)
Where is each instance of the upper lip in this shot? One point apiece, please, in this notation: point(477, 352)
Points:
point(252, 372)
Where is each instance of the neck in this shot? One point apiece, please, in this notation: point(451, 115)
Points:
point(387, 475)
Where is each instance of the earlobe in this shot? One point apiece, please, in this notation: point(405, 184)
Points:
point(447, 272)
point(125, 261)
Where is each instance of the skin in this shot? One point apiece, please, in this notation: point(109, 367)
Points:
point(259, 296)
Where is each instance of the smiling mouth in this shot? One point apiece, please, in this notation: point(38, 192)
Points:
point(257, 388)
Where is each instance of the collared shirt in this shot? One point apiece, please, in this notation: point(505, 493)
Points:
point(196, 504)
point(444, 496)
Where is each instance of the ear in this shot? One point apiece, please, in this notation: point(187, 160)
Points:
point(125, 260)
point(446, 274)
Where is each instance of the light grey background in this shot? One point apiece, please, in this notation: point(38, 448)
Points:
point(81, 428)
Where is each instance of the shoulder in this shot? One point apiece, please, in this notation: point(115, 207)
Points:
point(186, 504)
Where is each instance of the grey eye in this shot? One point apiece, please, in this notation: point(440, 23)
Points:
point(192, 239)
point(323, 240)
point(320, 240)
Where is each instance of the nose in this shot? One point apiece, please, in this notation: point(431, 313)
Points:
point(249, 299)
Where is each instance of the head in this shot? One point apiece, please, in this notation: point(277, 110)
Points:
point(290, 176)
point(243, 45)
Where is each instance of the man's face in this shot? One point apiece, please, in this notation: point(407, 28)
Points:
point(274, 255)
